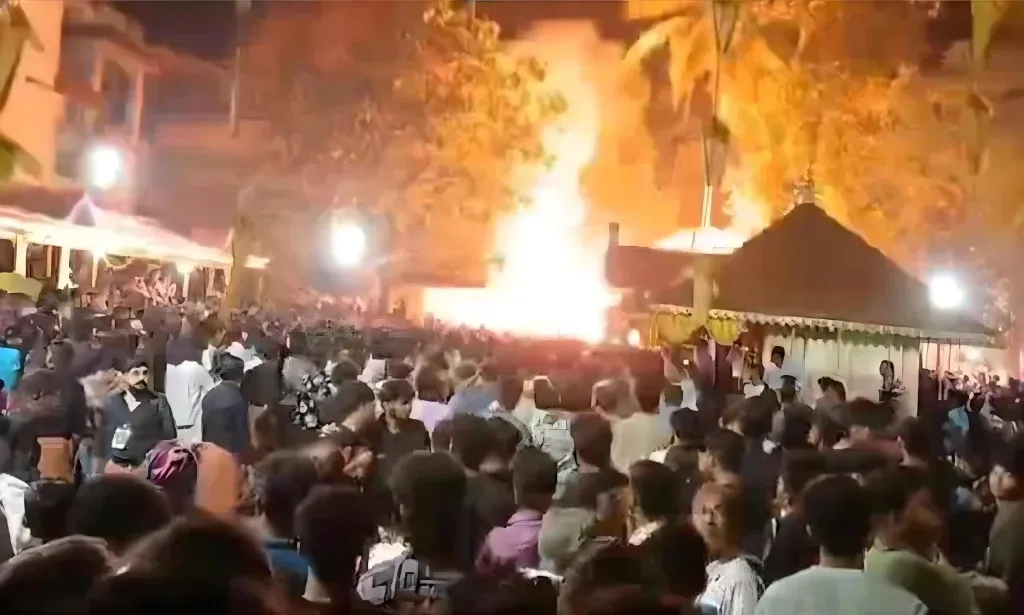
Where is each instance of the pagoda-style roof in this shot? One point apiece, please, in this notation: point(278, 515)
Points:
point(807, 268)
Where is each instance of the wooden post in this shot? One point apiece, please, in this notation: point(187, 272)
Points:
point(21, 255)
point(64, 268)
point(95, 269)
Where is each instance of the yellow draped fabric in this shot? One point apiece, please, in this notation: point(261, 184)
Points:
point(674, 329)
point(724, 332)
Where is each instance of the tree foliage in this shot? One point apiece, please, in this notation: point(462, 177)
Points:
point(426, 116)
point(409, 110)
point(15, 32)
point(801, 89)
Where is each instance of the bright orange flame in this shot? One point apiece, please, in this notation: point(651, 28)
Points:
point(552, 282)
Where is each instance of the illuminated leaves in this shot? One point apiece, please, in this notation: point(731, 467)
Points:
point(803, 88)
point(426, 115)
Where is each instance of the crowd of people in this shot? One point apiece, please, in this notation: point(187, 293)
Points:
point(190, 465)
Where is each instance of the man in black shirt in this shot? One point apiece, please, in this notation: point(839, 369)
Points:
point(225, 415)
point(136, 419)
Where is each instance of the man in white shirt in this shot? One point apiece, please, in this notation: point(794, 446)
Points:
point(186, 384)
point(838, 514)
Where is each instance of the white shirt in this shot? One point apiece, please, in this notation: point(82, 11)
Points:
point(374, 371)
point(186, 385)
point(430, 413)
point(752, 390)
point(836, 591)
point(12, 502)
point(636, 437)
point(208, 357)
point(733, 587)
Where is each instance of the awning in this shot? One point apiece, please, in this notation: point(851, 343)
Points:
point(974, 339)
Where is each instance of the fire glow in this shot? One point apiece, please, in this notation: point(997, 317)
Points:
point(551, 282)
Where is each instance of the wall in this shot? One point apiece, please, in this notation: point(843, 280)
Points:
point(35, 109)
point(850, 357)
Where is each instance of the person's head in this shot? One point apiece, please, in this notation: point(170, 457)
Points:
point(904, 516)
point(202, 547)
point(602, 575)
point(47, 507)
point(654, 490)
point(1006, 480)
point(60, 355)
point(673, 395)
point(838, 514)
point(429, 386)
point(472, 441)
point(510, 389)
point(677, 551)
point(916, 441)
point(592, 437)
point(345, 370)
point(722, 454)
point(755, 372)
point(211, 331)
point(751, 418)
point(145, 591)
point(832, 390)
point(396, 398)
point(441, 437)
point(534, 479)
point(867, 419)
point(886, 369)
point(227, 366)
point(717, 514)
point(507, 438)
point(787, 392)
point(54, 578)
point(778, 356)
point(607, 396)
point(334, 524)
point(796, 428)
point(397, 369)
point(284, 480)
point(686, 428)
point(119, 508)
point(353, 404)
point(38, 394)
point(428, 489)
point(503, 593)
point(798, 470)
point(545, 395)
point(297, 343)
point(825, 433)
point(489, 373)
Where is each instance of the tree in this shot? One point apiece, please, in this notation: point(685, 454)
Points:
point(796, 89)
point(15, 32)
point(408, 119)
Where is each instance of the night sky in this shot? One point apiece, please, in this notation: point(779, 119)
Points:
point(206, 27)
point(201, 27)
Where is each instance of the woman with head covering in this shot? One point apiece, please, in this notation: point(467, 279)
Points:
point(199, 476)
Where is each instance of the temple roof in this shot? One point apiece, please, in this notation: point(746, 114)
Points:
point(808, 266)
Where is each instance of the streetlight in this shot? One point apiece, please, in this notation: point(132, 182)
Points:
point(105, 166)
point(946, 292)
point(348, 243)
